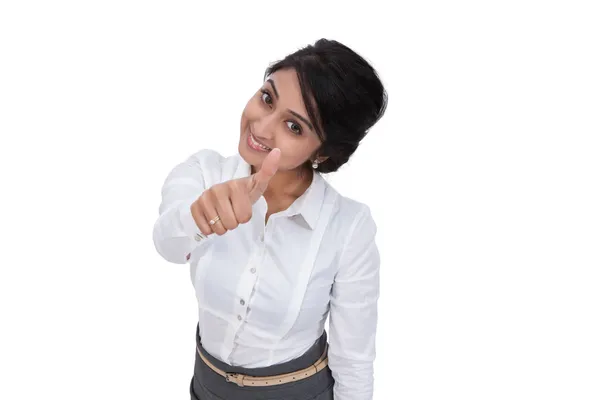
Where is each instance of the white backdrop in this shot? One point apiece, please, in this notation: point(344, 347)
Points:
point(483, 177)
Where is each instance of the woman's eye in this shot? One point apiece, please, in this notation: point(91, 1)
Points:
point(294, 127)
point(266, 98)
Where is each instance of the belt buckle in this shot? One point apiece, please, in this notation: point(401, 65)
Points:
point(238, 379)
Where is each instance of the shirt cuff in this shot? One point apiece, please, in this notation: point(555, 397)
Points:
point(188, 223)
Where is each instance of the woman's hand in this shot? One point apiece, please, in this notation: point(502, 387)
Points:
point(232, 200)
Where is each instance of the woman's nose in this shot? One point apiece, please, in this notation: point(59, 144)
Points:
point(264, 127)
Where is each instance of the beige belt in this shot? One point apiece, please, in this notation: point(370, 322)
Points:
point(247, 380)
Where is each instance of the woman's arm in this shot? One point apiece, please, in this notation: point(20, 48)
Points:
point(175, 232)
point(353, 312)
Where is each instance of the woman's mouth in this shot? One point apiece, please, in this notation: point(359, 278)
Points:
point(255, 145)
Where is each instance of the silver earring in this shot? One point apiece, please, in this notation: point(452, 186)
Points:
point(315, 164)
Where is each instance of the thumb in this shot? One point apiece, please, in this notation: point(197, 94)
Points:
point(260, 180)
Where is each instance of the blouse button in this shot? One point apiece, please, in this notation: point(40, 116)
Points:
point(242, 302)
point(253, 270)
point(239, 317)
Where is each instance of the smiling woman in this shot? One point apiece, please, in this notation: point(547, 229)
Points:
point(276, 118)
point(273, 248)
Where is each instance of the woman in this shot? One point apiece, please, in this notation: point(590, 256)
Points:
point(273, 248)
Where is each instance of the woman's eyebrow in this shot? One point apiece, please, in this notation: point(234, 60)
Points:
point(302, 118)
point(274, 88)
point(291, 112)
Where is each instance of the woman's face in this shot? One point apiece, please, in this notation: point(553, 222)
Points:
point(276, 117)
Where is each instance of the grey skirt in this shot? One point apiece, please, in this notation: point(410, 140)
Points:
point(208, 385)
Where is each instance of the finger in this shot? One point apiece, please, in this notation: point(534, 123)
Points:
point(225, 211)
point(210, 212)
point(242, 207)
point(260, 180)
point(199, 218)
point(217, 227)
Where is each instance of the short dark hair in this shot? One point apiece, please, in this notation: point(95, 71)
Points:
point(343, 95)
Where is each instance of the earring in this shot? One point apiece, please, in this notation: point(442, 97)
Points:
point(315, 164)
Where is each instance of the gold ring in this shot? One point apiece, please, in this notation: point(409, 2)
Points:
point(214, 220)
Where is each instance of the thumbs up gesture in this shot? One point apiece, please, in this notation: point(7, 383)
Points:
point(229, 204)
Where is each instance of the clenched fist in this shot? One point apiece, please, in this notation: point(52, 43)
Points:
point(232, 200)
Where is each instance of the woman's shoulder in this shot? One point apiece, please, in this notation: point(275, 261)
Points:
point(352, 225)
point(349, 212)
point(213, 162)
point(208, 166)
point(345, 205)
point(207, 157)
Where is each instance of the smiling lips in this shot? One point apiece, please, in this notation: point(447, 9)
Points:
point(255, 144)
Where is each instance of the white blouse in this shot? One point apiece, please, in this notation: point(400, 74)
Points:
point(264, 292)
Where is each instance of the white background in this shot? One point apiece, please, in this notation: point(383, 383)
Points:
point(483, 177)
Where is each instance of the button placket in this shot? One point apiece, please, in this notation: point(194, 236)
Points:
point(241, 305)
point(244, 291)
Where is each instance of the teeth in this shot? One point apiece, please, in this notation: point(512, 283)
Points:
point(254, 142)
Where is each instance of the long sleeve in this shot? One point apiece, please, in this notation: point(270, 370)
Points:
point(175, 231)
point(353, 313)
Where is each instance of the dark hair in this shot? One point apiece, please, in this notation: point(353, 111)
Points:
point(343, 95)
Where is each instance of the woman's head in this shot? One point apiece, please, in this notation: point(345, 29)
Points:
point(316, 104)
